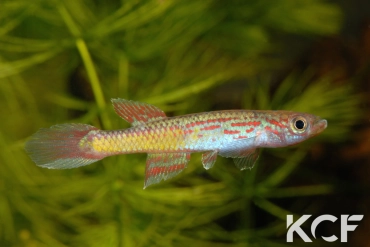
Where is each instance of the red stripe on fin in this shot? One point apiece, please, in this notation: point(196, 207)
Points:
point(164, 166)
point(59, 147)
point(137, 113)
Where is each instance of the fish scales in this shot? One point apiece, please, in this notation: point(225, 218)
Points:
point(190, 133)
point(169, 141)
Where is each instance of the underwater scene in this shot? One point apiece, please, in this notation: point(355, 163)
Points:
point(184, 123)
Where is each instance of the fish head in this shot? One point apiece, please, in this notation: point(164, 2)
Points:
point(302, 126)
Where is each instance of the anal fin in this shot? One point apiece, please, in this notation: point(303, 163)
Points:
point(209, 159)
point(164, 166)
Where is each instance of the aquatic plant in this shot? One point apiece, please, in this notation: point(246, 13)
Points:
point(61, 61)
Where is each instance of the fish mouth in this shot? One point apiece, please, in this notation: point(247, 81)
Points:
point(319, 126)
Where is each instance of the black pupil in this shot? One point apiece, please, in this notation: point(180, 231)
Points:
point(299, 124)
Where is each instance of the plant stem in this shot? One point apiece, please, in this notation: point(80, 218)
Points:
point(88, 63)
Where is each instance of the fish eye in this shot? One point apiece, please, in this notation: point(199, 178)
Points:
point(299, 124)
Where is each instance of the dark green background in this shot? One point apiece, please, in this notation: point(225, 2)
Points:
point(62, 61)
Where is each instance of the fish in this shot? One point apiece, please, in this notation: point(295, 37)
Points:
point(169, 141)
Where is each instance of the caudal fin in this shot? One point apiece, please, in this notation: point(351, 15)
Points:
point(59, 147)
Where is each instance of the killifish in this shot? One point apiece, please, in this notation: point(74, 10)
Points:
point(169, 141)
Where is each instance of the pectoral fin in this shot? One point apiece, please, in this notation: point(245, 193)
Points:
point(209, 159)
point(244, 156)
point(164, 166)
point(248, 160)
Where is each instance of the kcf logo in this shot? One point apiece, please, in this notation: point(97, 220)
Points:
point(344, 226)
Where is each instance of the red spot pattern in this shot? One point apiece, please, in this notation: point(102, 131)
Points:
point(231, 132)
point(216, 120)
point(226, 119)
point(239, 124)
point(212, 127)
point(249, 130)
point(165, 169)
point(197, 123)
point(276, 123)
point(268, 128)
point(212, 120)
point(189, 131)
point(251, 123)
point(220, 120)
point(200, 122)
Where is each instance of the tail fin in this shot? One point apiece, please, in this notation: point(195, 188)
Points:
point(58, 147)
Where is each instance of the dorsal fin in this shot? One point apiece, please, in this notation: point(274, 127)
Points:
point(137, 113)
